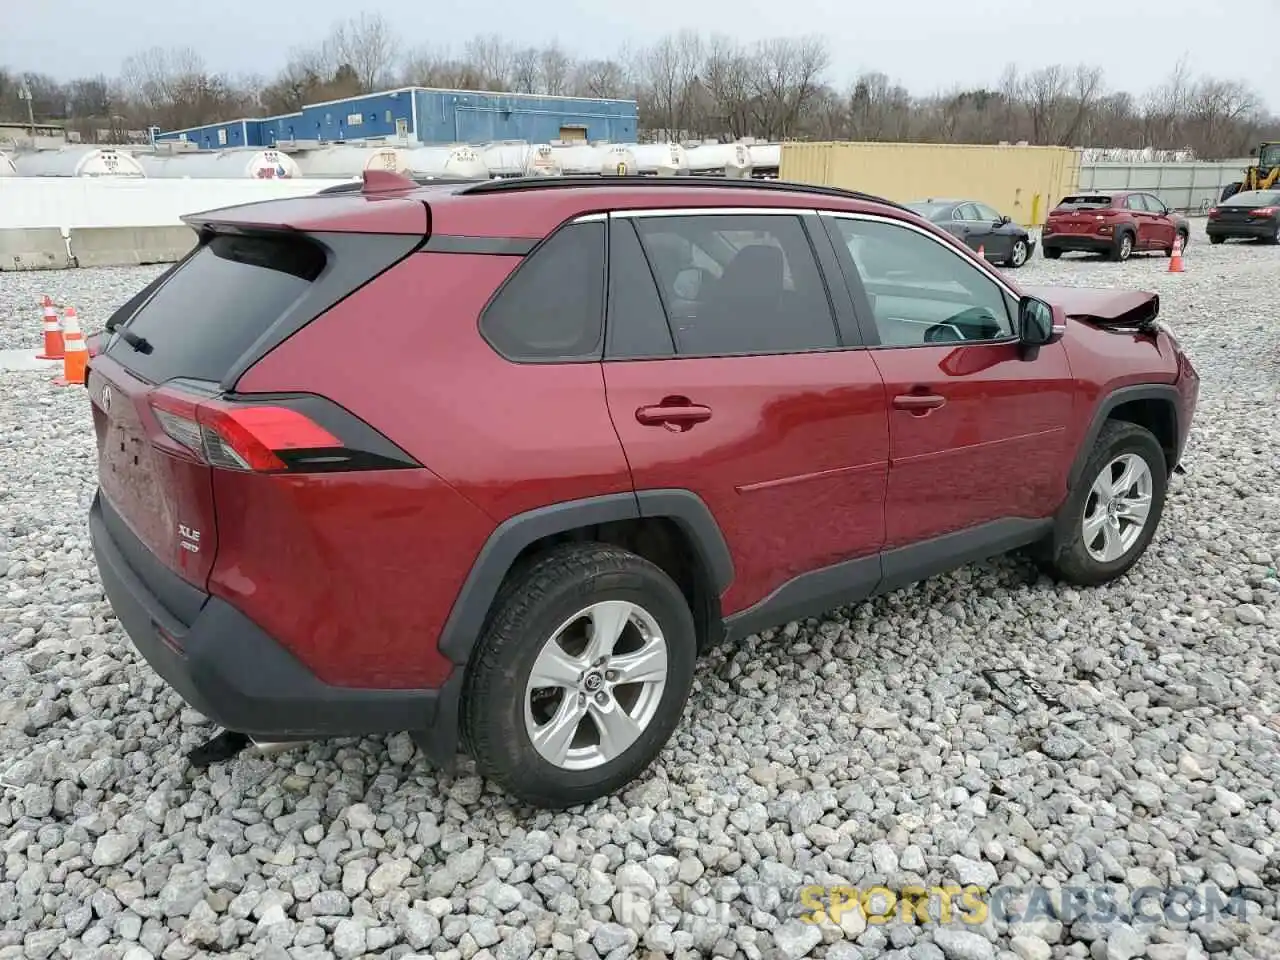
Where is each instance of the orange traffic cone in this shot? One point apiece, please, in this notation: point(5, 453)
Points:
point(76, 357)
point(1175, 261)
point(53, 345)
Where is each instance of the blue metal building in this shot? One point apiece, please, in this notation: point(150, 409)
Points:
point(422, 115)
point(212, 136)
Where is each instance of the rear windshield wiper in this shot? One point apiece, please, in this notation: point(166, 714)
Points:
point(141, 344)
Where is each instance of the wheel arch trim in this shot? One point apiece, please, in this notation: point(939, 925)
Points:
point(505, 543)
point(1163, 392)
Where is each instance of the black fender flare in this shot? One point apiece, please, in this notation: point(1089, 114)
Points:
point(1164, 392)
point(686, 509)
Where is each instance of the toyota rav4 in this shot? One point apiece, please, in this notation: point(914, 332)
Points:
point(492, 462)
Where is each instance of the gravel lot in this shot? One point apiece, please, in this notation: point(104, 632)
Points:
point(868, 748)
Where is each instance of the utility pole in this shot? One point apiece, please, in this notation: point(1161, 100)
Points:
point(24, 93)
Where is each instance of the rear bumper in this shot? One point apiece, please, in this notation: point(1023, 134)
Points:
point(1072, 242)
point(1263, 230)
point(227, 668)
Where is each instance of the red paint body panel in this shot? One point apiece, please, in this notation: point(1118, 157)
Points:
point(998, 446)
point(155, 485)
point(792, 462)
point(507, 436)
point(354, 574)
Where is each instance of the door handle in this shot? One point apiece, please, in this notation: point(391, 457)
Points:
point(918, 403)
point(676, 414)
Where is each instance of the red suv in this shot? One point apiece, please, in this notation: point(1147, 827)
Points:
point(493, 462)
point(1116, 223)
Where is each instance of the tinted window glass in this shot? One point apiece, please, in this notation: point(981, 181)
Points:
point(1134, 202)
point(1253, 198)
point(1090, 201)
point(213, 307)
point(552, 307)
point(967, 211)
point(737, 284)
point(637, 321)
point(986, 213)
point(1153, 203)
point(921, 291)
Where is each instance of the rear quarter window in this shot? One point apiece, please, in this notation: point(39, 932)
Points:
point(214, 307)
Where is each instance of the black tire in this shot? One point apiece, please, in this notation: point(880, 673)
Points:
point(1216, 239)
point(1275, 237)
point(1229, 191)
point(1052, 253)
point(1067, 557)
point(1014, 261)
point(534, 602)
point(1120, 251)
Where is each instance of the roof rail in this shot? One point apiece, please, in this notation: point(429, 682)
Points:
point(691, 181)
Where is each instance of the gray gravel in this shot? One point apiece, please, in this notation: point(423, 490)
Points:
point(867, 748)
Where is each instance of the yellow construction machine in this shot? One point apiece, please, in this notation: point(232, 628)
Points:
point(1263, 175)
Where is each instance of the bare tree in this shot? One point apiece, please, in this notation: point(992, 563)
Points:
point(687, 85)
point(368, 44)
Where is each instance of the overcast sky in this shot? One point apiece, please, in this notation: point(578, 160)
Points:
point(926, 44)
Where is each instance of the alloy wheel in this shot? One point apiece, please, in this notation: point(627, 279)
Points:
point(1126, 247)
point(1019, 253)
point(596, 685)
point(1117, 508)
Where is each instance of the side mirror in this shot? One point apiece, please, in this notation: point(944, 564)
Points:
point(1004, 220)
point(1253, 151)
point(1035, 323)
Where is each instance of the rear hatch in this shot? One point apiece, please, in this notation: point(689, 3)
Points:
point(1080, 214)
point(162, 388)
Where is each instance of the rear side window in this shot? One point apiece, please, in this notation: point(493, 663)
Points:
point(552, 307)
point(735, 284)
point(213, 307)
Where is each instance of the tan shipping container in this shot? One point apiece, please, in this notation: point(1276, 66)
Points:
point(1023, 183)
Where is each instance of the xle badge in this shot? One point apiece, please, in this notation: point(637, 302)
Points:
point(190, 538)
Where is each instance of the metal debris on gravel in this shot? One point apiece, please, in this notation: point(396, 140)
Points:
point(864, 749)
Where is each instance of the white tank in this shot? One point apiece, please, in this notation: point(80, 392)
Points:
point(541, 161)
point(7, 169)
point(576, 158)
point(618, 160)
point(731, 159)
point(221, 165)
point(664, 159)
point(518, 158)
point(80, 161)
point(765, 156)
point(349, 161)
point(456, 161)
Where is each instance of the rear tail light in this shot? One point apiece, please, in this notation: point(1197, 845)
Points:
point(1264, 212)
point(1213, 213)
point(278, 434)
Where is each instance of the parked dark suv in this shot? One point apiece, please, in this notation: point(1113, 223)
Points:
point(492, 462)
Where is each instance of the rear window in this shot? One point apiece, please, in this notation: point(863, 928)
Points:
point(1090, 201)
point(213, 308)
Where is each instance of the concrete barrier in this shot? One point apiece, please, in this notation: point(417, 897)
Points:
point(42, 248)
point(130, 246)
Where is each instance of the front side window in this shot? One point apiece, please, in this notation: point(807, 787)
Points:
point(738, 284)
point(921, 291)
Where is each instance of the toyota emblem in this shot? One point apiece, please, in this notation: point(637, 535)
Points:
point(106, 399)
